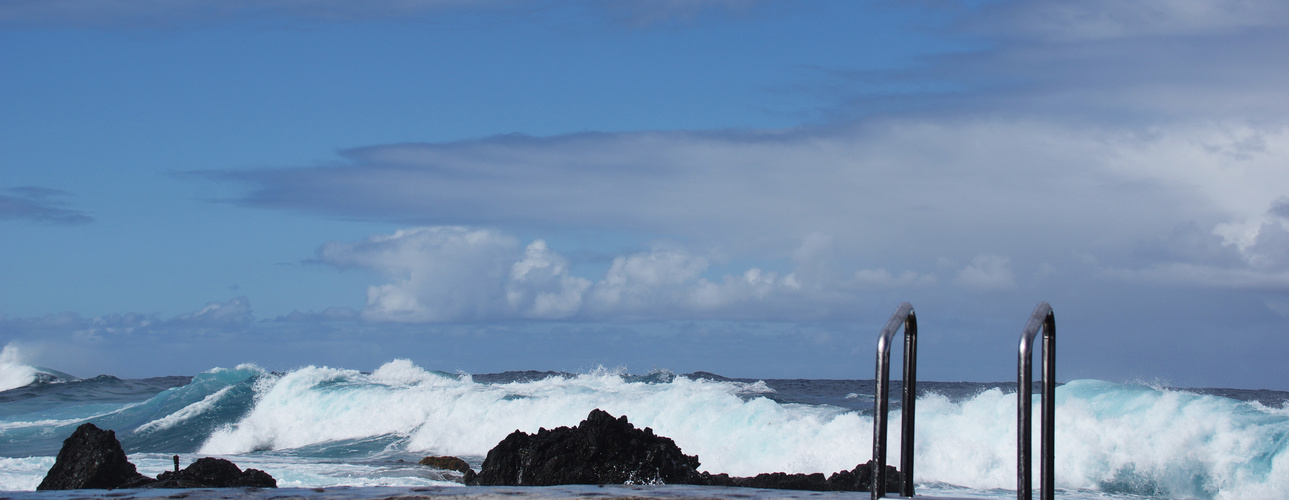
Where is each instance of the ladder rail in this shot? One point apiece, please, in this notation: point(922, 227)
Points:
point(1043, 320)
point(904, 316)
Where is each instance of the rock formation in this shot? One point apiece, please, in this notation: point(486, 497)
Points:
point(447, 463)
point(92, 458)
point(858, 479)
point(600, 450)
point(605, 450)
point(214, 473)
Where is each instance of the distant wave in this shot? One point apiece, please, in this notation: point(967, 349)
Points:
point(13, 372)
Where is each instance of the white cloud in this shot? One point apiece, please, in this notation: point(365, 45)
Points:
point(987, 272)
point(453, 273)
point(444, 273)
point(540, 286)
point(885, 197)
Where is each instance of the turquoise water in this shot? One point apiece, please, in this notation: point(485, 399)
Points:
point(331, 427)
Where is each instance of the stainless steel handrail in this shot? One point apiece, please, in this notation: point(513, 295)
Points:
point(903, 316)
point(1041, 319)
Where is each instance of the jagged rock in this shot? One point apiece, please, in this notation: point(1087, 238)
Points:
point(92, 458)
point(447, 463)
point(858, 479)
point(604, 450)
point(772, 480)
point(861, 479)
point(600, 450)
point(214, 473)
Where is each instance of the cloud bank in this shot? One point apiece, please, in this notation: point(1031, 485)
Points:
point(1068, 141)
point(894, 195)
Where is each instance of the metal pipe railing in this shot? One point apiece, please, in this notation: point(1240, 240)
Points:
point(903, 316)
point(1041, 319)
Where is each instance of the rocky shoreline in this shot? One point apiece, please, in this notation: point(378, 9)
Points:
point(605, 450)
point(92, 458)
point(600, 451)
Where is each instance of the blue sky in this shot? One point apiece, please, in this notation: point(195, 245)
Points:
point(739, 186)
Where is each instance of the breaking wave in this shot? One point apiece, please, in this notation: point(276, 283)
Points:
point(1111, 438)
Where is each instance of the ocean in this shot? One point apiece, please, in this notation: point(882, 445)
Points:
point(334, 432)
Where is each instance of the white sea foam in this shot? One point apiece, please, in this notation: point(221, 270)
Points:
point(23, 473)
point(1115, 438)
point(1120, 439)
point(13, 372)
point(457, 416)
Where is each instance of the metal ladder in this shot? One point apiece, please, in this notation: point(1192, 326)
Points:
point(1042, 319)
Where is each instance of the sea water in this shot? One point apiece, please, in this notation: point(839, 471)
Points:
point(327, 427)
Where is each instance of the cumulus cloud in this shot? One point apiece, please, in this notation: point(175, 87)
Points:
point(438, 273)
point(457, 274)
point(540, 286)
point(41, 205)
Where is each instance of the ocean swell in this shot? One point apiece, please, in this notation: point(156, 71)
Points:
point(1111, 439)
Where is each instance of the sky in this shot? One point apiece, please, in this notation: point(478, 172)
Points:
point(746, 187)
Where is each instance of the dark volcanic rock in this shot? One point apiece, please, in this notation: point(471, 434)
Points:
point(772, 480)
point(861, 479)
point(604, 450)
point(600, 450)
point(92, 458)
point(447, 463)
point(858, 479)
point(214, 473)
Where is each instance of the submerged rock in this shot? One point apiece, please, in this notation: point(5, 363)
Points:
point(600, 450)
point(447, 463)
point(92, 458)
point(214, 473)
